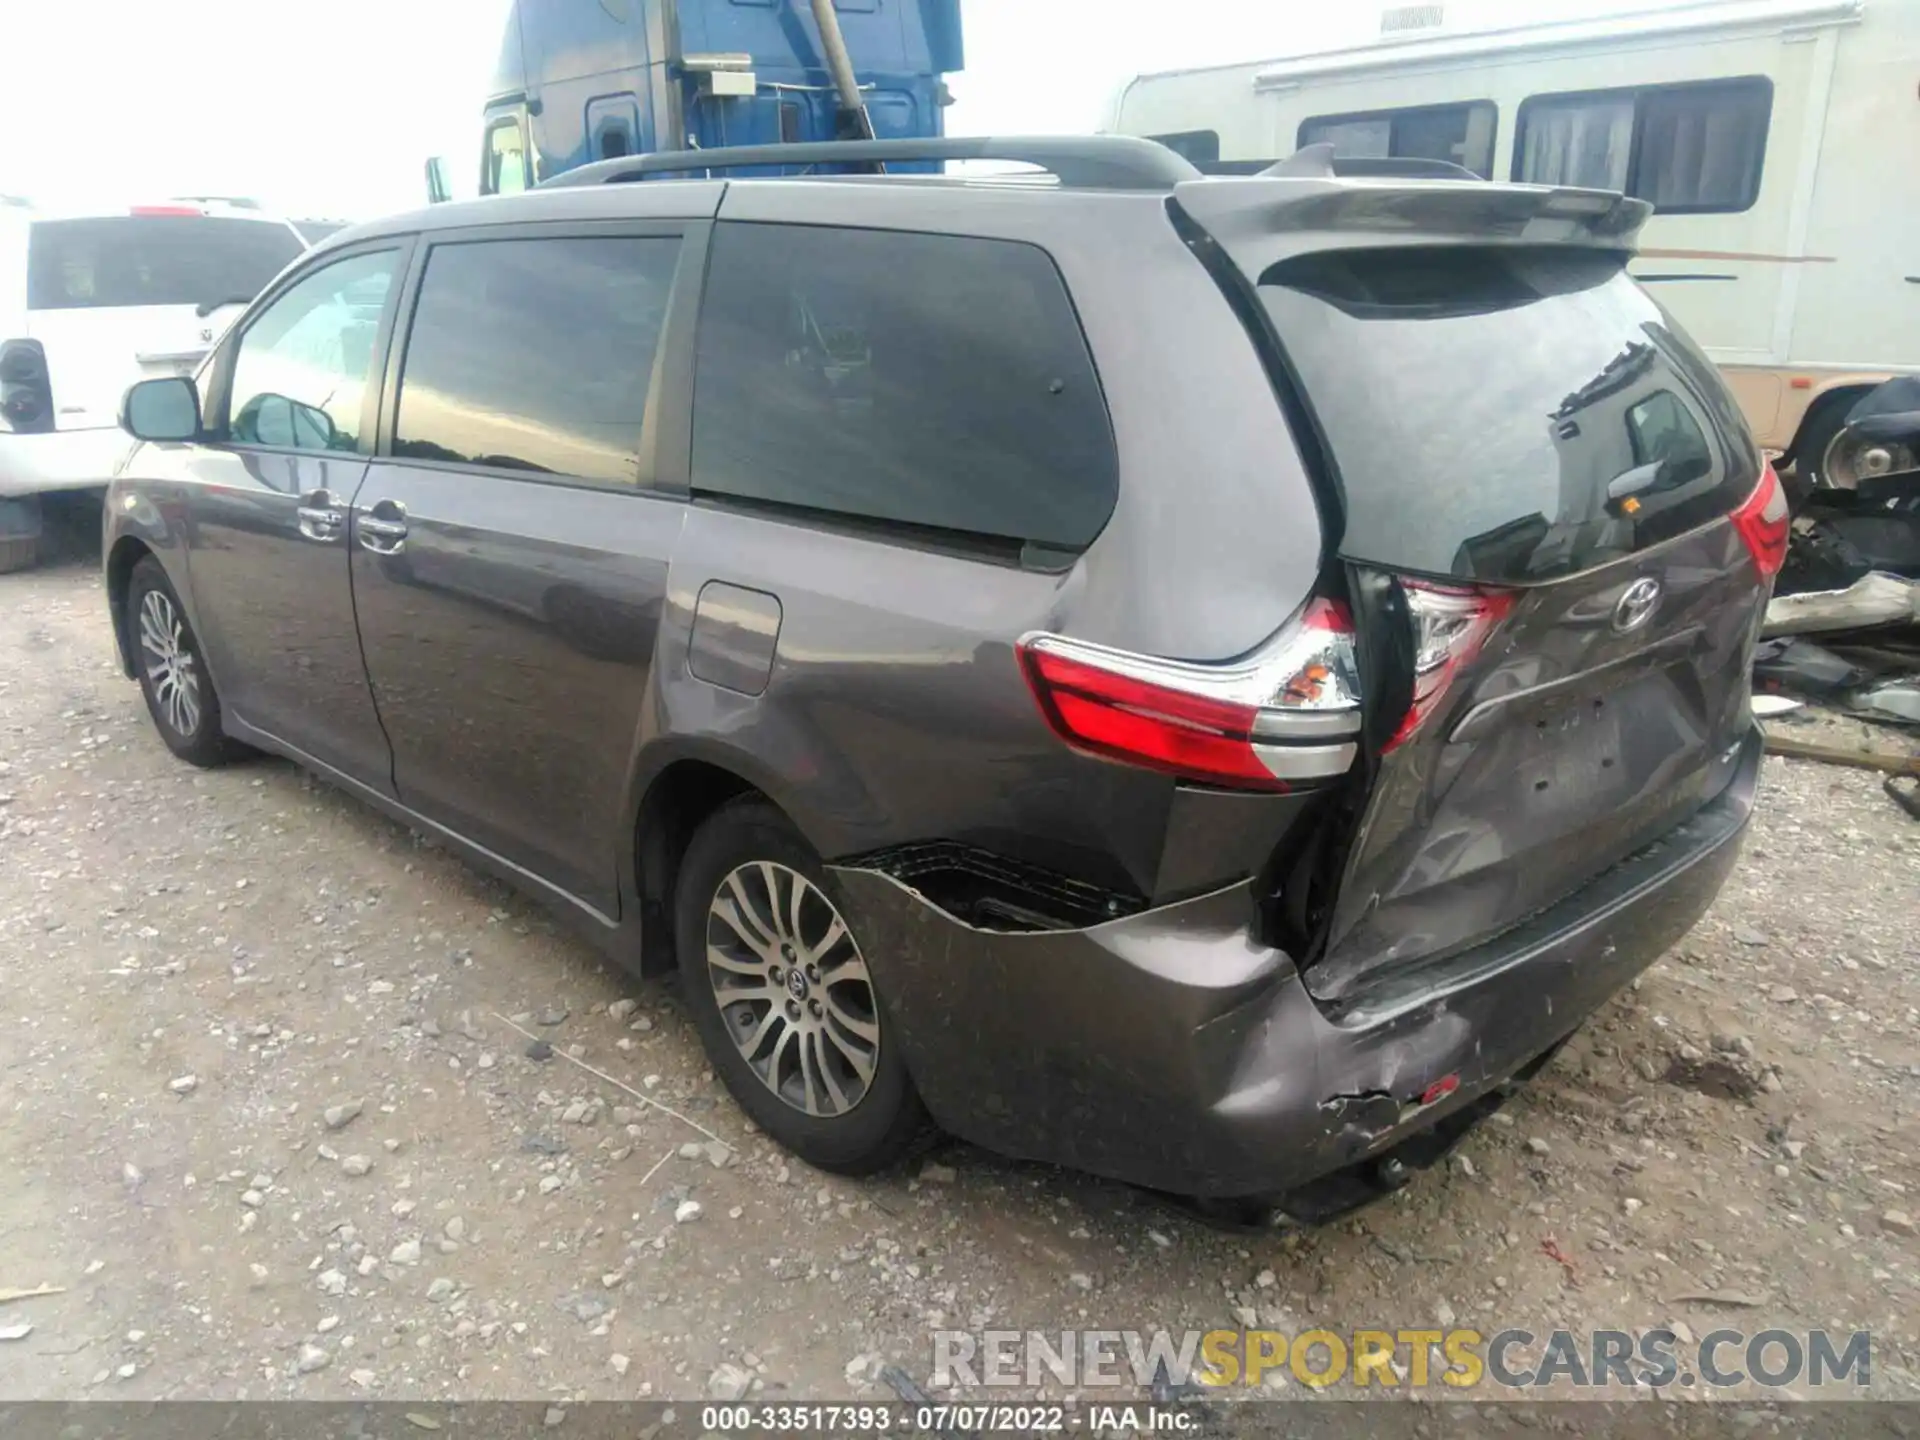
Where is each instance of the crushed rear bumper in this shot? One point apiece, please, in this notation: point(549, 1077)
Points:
point(1174, 1050)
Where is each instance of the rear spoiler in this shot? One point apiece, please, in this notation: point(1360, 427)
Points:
point(1295, 208)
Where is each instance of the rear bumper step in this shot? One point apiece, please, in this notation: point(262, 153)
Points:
point(1173, 1050)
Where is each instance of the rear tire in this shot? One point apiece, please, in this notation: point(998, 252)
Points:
point(173, 676)
point(811, 1055)
point(1814, 455)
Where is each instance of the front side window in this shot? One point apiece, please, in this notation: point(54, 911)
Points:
point(1684, 148)
point(301, 373)
point(536, 355)
point(506, 160)
point(934, 382)
point(1458, 134)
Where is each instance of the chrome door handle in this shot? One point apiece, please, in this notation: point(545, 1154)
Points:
point(321, 517)
point(383, 527)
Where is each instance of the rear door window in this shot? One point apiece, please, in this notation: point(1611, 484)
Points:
point(536, 355)
point(1506, 415)
point(136, 260)
point(933, 382)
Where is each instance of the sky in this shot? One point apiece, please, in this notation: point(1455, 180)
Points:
point(330, 108)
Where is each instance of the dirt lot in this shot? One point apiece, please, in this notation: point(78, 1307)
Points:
point(197, 966)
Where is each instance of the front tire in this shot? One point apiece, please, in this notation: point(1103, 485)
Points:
point(173, 676)
point(779, 988)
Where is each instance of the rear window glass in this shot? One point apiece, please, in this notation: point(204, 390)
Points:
point(1506, 415)
point(927, 381)
point(153, 260)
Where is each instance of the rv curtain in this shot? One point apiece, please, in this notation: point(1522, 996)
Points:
point(1578, 142)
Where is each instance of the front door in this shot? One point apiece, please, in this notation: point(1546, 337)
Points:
point(510, 545)
point(291, 412)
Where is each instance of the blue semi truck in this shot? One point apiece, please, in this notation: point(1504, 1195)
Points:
point(585, 80)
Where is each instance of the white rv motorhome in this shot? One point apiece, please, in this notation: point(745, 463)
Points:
point(1779, 141)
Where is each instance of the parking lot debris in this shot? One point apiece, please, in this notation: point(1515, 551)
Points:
point(1833, 755)
point(729, 1382)
point(1875, 599)
point(620, 1085)
point(1804, 668)
point(1895, 702)
point(338, 1117)
point(1907, 797)
point(34, 1294)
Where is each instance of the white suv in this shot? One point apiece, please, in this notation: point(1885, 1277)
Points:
point(90, 303)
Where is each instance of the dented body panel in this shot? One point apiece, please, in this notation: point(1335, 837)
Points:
point(1174, 1050)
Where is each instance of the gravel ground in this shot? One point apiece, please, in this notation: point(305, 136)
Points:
point(268, 1118)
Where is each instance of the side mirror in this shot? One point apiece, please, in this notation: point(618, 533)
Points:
point(162, 410)
point(438, 191)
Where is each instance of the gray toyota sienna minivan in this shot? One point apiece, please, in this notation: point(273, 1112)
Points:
point(1204, 680)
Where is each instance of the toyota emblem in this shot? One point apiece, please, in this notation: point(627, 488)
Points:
point(1636, 606)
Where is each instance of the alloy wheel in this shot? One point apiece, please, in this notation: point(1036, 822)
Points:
point(170, 663)
point(793, 988)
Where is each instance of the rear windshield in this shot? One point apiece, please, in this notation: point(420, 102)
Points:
point(1506, 415)
point(153, 260)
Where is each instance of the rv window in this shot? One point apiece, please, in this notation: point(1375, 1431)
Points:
point(1202, 147)
point(1587, 143)
point(1459, 134)
point(1685, 148)
point(922, 383)
point(1702, 146)
point(506, 160)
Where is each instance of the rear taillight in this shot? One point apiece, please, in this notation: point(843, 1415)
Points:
point(1287, 713)
point(26, 398)
point(1764, 522)
point(1451, 624)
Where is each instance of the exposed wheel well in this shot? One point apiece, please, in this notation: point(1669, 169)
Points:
point(677, 802)
point(127, 553)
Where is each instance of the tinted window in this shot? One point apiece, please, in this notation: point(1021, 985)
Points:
point(153, 260)
point(301, 372)
point(1459, 134)
point(1482, 404)
point(1685, 148)
point(535, 354)
point(926, 380)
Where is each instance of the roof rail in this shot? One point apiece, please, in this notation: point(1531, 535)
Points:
point(1107, 162)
